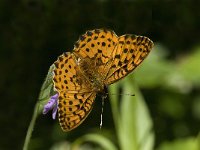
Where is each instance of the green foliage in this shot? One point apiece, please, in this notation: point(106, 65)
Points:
point(181, 144)
point(188, 67)
point(45, 93)
point(46, 89)
point(102, 141)
point(132, 120)
point(155, 68)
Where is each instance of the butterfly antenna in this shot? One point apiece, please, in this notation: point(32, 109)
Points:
point(102, 102)
point(122, 94)
point(102, 107)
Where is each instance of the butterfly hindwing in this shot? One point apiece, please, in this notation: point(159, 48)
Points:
point(75, 94)
point(73, 108)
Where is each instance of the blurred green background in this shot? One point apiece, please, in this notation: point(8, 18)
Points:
point(33, 33)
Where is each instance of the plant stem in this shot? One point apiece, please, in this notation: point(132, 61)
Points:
point(31, 126)
point(44, 95)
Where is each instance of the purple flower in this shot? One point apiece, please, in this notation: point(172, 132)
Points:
point(52, 104)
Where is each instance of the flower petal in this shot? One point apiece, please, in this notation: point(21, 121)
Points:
point(55, 110)
point(51, 104)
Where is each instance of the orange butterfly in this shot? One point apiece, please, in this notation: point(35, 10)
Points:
point(99, 59)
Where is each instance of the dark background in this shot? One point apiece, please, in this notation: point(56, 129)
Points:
point(33, 33)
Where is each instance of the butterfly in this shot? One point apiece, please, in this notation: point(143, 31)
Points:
point(99, 58)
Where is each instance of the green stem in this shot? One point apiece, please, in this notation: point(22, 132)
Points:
point(44, 96)
point(115, 106)
point(31, 126)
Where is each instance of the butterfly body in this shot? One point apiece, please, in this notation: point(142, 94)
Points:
point(99, 59)
point(91, 74)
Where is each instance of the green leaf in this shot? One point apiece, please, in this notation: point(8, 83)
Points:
point(133, 125)
point(188, 67)
point(154, 67)
point(104, 142)
point(182, 144)
point(47, 89)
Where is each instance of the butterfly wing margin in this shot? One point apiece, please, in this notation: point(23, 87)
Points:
point(130, 51)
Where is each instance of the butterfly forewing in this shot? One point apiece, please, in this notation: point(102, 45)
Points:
point(129, 52)
point(97, 45)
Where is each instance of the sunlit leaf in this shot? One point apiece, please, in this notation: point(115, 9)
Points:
point(181, 144)
point(153, 68)
point(46, 89)
point(102, 141)
point(188, 67)
point(134, 125)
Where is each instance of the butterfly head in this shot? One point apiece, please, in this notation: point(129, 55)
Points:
point(103, 92)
